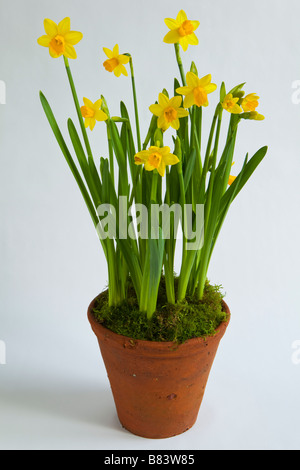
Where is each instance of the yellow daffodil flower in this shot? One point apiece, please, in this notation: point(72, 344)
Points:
point(257, 117)
point(250, 102)
point(182, 31)
point(60, 39)
point(230, 104)
point(92, 113)
point(156, 158)
point(231, 179)
point(115, 62)
point(168, 111)
point(196, 90)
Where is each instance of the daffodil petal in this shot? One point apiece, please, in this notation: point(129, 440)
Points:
point(88, 103)
point(172, 24)
point(116, 50)
point(44, 41)
point(120, 69)
point(53, 53)
point(184, 42)
point(210, 88)
point(181, 17)
point(123, 59)
point(189, 100)
point(236, 109)
point(141, 157)
point(108, 52)
point(163, 100)
point(192, 80)
point(162, 123)
point(97, 104)
point(172, 37)
point(231, 179)
point(164, 150)
point(92, 123)
point(171, 159)
point(100, 115)
point(183, 90)
point(87, 122)
point(149, 167)
point(50, 27)
point(156, 109)
point(181, 112)
point(162, 168)
point(73, 37)
point(192, 39)
point(70, 51)
point(64, 26)
point(204, 81)
point(175, 102)
point(175, 124)
point(195, 24)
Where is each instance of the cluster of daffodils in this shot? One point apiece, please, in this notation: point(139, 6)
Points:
point(195, 174)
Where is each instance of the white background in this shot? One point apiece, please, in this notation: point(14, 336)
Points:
point(54, 393)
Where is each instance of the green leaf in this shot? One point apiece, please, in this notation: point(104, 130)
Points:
point(246, 173)
point(61, 142)
point(222, 92)
point(189, 168)
point(92, 179)
point(152, 275)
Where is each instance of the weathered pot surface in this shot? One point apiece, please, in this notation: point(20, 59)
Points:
point(157, 387)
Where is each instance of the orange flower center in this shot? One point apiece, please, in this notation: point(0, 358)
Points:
point(58, 44)
point(170, 114)
point(186, 28)
point(87, 112)
point(251, 105)
point(229, 104)
point(111, 64)
point(155, 159)
point(200, 96)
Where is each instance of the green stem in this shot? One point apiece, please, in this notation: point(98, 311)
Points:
point(111, 156)
point(78, 110)
point(168, 253)
point(135, 106)
point(179, 62)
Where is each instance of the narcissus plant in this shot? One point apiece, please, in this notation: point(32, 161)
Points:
point(194, 175)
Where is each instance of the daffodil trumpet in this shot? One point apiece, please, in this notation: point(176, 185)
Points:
point(175, 175)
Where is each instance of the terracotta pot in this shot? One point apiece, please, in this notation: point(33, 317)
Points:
point(157, 386)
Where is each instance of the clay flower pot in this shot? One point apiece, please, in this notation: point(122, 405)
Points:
point(158, 387)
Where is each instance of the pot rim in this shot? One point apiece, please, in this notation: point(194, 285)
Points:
point(157, 347)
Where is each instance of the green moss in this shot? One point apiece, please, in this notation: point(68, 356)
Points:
point(187, 319)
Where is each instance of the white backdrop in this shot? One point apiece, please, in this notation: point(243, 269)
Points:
point(54, 393)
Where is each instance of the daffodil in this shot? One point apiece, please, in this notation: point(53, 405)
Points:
point(182, 31)
point(92, 113)
point(156, 158)
point(256, 116)
point(115, 62)
point(60, 39)
point(196, 90)
point(231, 179)
point(231, 104)
point(168, 111)
point(250, 102)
